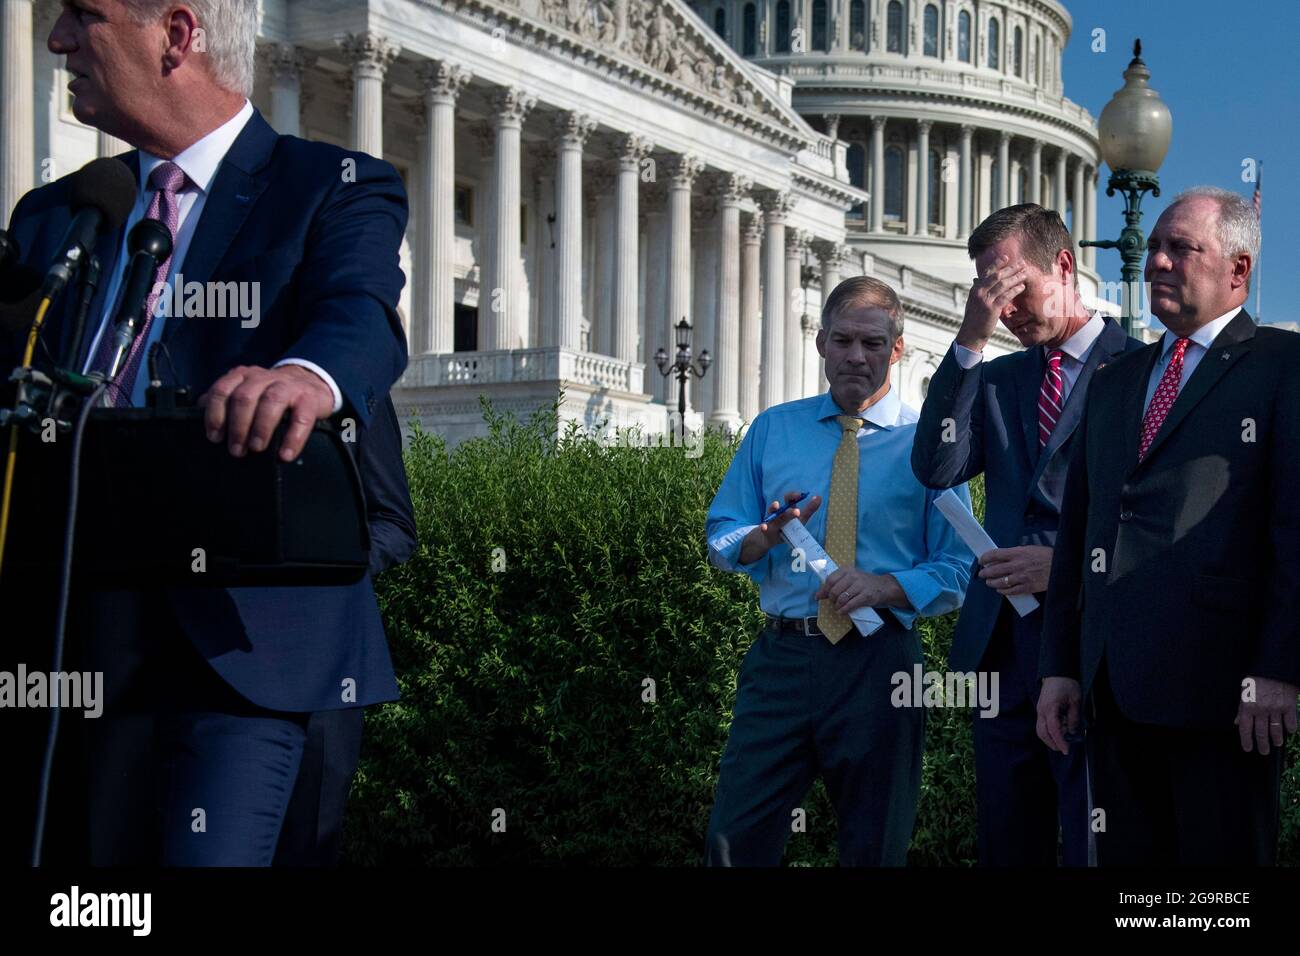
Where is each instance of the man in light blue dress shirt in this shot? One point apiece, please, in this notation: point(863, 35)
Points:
point(806, 705)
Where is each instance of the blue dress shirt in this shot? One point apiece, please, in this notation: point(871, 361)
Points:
point(790, 447)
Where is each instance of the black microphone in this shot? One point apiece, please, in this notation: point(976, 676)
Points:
point(20, 293)
point(103, 194)
point(148, 244)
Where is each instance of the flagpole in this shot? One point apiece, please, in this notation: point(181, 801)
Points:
point(1259, 271)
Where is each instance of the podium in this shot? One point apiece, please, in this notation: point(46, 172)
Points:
point(160, 506)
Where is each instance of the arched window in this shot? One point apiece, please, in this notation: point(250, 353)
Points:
point(894, 27)
point(1038, 63)
point(820, 35)
point(782, 27)
point(931, 47)
point(894, 182)
point(857, 158)
point(935, 212)
point(858, 25)
point(720, 22)
point(1017, 52)
point(993, 44)
point(749, 31)
point(963, 36)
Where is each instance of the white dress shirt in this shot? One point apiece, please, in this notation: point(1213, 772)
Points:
point(1201, 340)
point(1074, 355)
point(200, 163)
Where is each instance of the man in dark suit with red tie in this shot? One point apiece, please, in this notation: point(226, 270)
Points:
point(1172, 626)
point(1013, 419)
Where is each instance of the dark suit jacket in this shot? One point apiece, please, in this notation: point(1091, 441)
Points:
point(323, 244)
point(1184, 569)
point(994, 412)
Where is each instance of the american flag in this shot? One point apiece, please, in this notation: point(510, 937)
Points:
point(1259, 181)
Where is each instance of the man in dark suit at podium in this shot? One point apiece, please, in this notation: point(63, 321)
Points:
point(1172, 625)
point(211, 692)
point(1013, 418)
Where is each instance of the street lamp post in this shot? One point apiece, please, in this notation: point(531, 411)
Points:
point(1135, 129)
point(683, 368)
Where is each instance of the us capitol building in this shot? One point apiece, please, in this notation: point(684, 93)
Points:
point(583, 174)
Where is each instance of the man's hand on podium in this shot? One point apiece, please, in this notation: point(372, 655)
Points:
point(246, 405)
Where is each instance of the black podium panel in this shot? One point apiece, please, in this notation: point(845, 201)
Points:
point(161, 506)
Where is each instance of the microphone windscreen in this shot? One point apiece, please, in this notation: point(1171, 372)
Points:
point(20, 292)
point(108, 185)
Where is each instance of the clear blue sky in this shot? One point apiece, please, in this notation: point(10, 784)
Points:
point(1229, 71)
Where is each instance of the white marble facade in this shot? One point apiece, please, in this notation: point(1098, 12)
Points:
point(585, 173)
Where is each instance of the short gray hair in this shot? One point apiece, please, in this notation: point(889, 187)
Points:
point(1237, 227)
point(860, 291)
point(229, 33)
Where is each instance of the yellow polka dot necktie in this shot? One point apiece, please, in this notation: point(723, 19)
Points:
point(841, 522)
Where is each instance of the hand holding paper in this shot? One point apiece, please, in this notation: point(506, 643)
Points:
point(794, 532)
point(977, 539)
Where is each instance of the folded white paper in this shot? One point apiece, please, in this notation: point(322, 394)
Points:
point(867, 620)
point(977, 539)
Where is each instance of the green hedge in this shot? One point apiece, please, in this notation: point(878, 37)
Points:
point(523, 670)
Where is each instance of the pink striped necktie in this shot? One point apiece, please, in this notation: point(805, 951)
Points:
point(166, 180)
point(1050, 398)
point(1163, 399)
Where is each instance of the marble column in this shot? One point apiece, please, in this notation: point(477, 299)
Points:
point(17, 125)
point(285, 63)
point(921, 221)
point(510, 106)
point(1090, 224)
point(682, 172)
point(984, 191)
point(1058, 203)
point(1016, 195)
point(704, 293)
point(1004, 169)
point(776, 209)
point(631, 149)
point(433, 321)
point(571, 132)
point(877, 174)
point(832, 261)
point(966, 173)
point(1076, 226)
point(370, 55)
point(730, 192)
point(602, 182)
point(654, 205)
point(751, 317)
point(796, 245)
point(486, 143)
point(1036, 172)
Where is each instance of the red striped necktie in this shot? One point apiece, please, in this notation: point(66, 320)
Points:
point(1050, 398)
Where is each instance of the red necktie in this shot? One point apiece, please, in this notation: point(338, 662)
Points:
point(1049, 398)
point(1163, 399)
